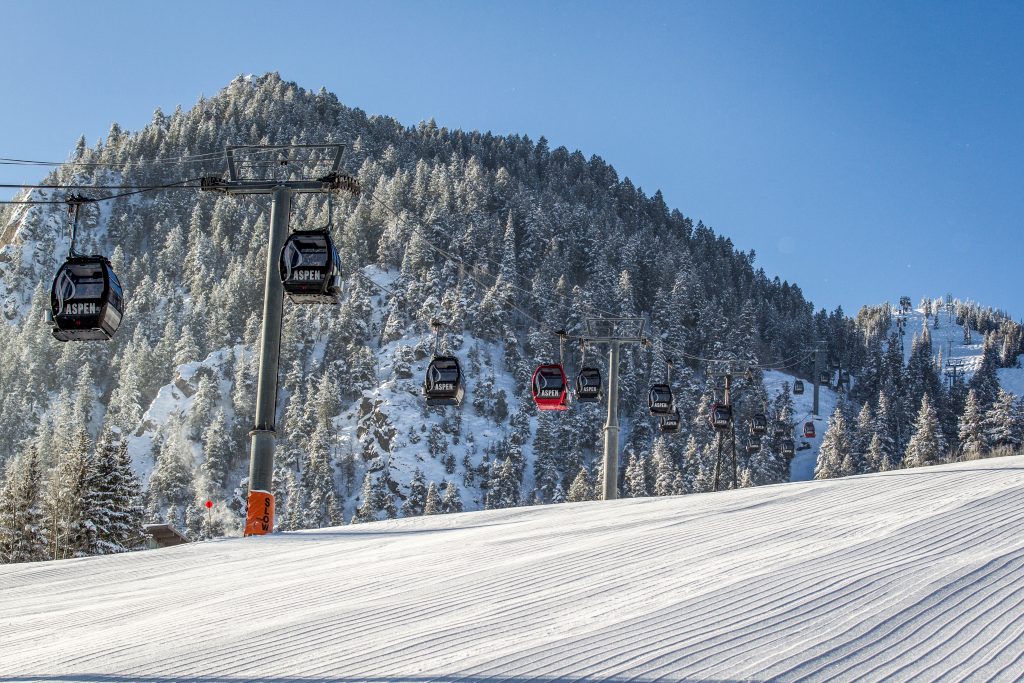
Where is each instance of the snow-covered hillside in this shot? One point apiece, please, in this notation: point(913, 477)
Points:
point(908, 575)
point(948, 338)
point(802, 466)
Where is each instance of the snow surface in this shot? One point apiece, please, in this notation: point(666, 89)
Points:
point(912, 574)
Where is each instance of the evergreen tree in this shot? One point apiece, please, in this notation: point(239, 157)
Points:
point(664, 468)
point(863, 433)
point(926, 446)
point(114, 503)
point(636, 476)
point(835, 448)
point(417, 498)
point(1002, 424)
point(985, 382)
point(433, 504)
point(973, 440)
point(581, 488)
point(21, 522)
point(367, 512)
point(65, 501)
point(879, 459)
point(451, 502)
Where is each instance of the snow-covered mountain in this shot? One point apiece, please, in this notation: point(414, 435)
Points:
point(907, 575)
point(501, 238)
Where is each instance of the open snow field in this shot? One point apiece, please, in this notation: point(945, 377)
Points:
point(909, 575)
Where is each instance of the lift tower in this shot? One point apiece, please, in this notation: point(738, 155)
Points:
point(614, 332)
point(260, 515)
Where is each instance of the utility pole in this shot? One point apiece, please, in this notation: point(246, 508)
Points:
point(260, 514)
point(607, 331)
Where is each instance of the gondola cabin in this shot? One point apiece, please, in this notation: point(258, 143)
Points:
point(753, 447)
point(670, 423)
point(659, 400)
point(788, 448)
point(311, 268)
point(588, 385)
point(720, 416)
point(86, 300)
point(758, 424)
point(549, 388)
point(443, 384)
point(798, 387)
point(825, 378)
point(809, 430)
point(844, 378)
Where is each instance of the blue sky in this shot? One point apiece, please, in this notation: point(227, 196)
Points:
point(864, 150)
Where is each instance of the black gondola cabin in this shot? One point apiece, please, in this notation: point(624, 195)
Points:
point(788, 448)
point(798, 387)
point(670, 423)
point(549, 388)
point(588, 385)
point(311, 268)
point(659, 400)
point(720, 416)
point(86, 300)
point(758, 424)
point(443, 385)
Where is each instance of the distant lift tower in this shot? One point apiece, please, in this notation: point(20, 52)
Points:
point(260, 516)
point(614, 332)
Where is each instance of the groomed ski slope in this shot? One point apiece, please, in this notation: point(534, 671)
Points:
point(909, 575)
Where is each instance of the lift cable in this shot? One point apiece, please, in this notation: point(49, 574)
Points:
point(182, 184)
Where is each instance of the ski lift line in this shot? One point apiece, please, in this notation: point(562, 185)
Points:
point(84, 187)
point(168, 186)
point(457, 260)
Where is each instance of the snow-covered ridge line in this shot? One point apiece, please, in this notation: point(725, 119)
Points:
point(895, 575)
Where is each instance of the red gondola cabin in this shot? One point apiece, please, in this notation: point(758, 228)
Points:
point(550, 390)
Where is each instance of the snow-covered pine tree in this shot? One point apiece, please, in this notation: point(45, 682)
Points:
point(318, 481)
point(417, 498)
point(451, 502)
point(665, 470)
point(886, 432)
point(433, 503)
point(1002, 424)
point(114, 498)
point(636, 476)
point(926, 446)
point(65, 500)
point(21, 523)
point(973, 440)
point(581, 488)
point(879, 460)
point(835, 448)
point(985, 382)
point(863, 432)
point(366, 511)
